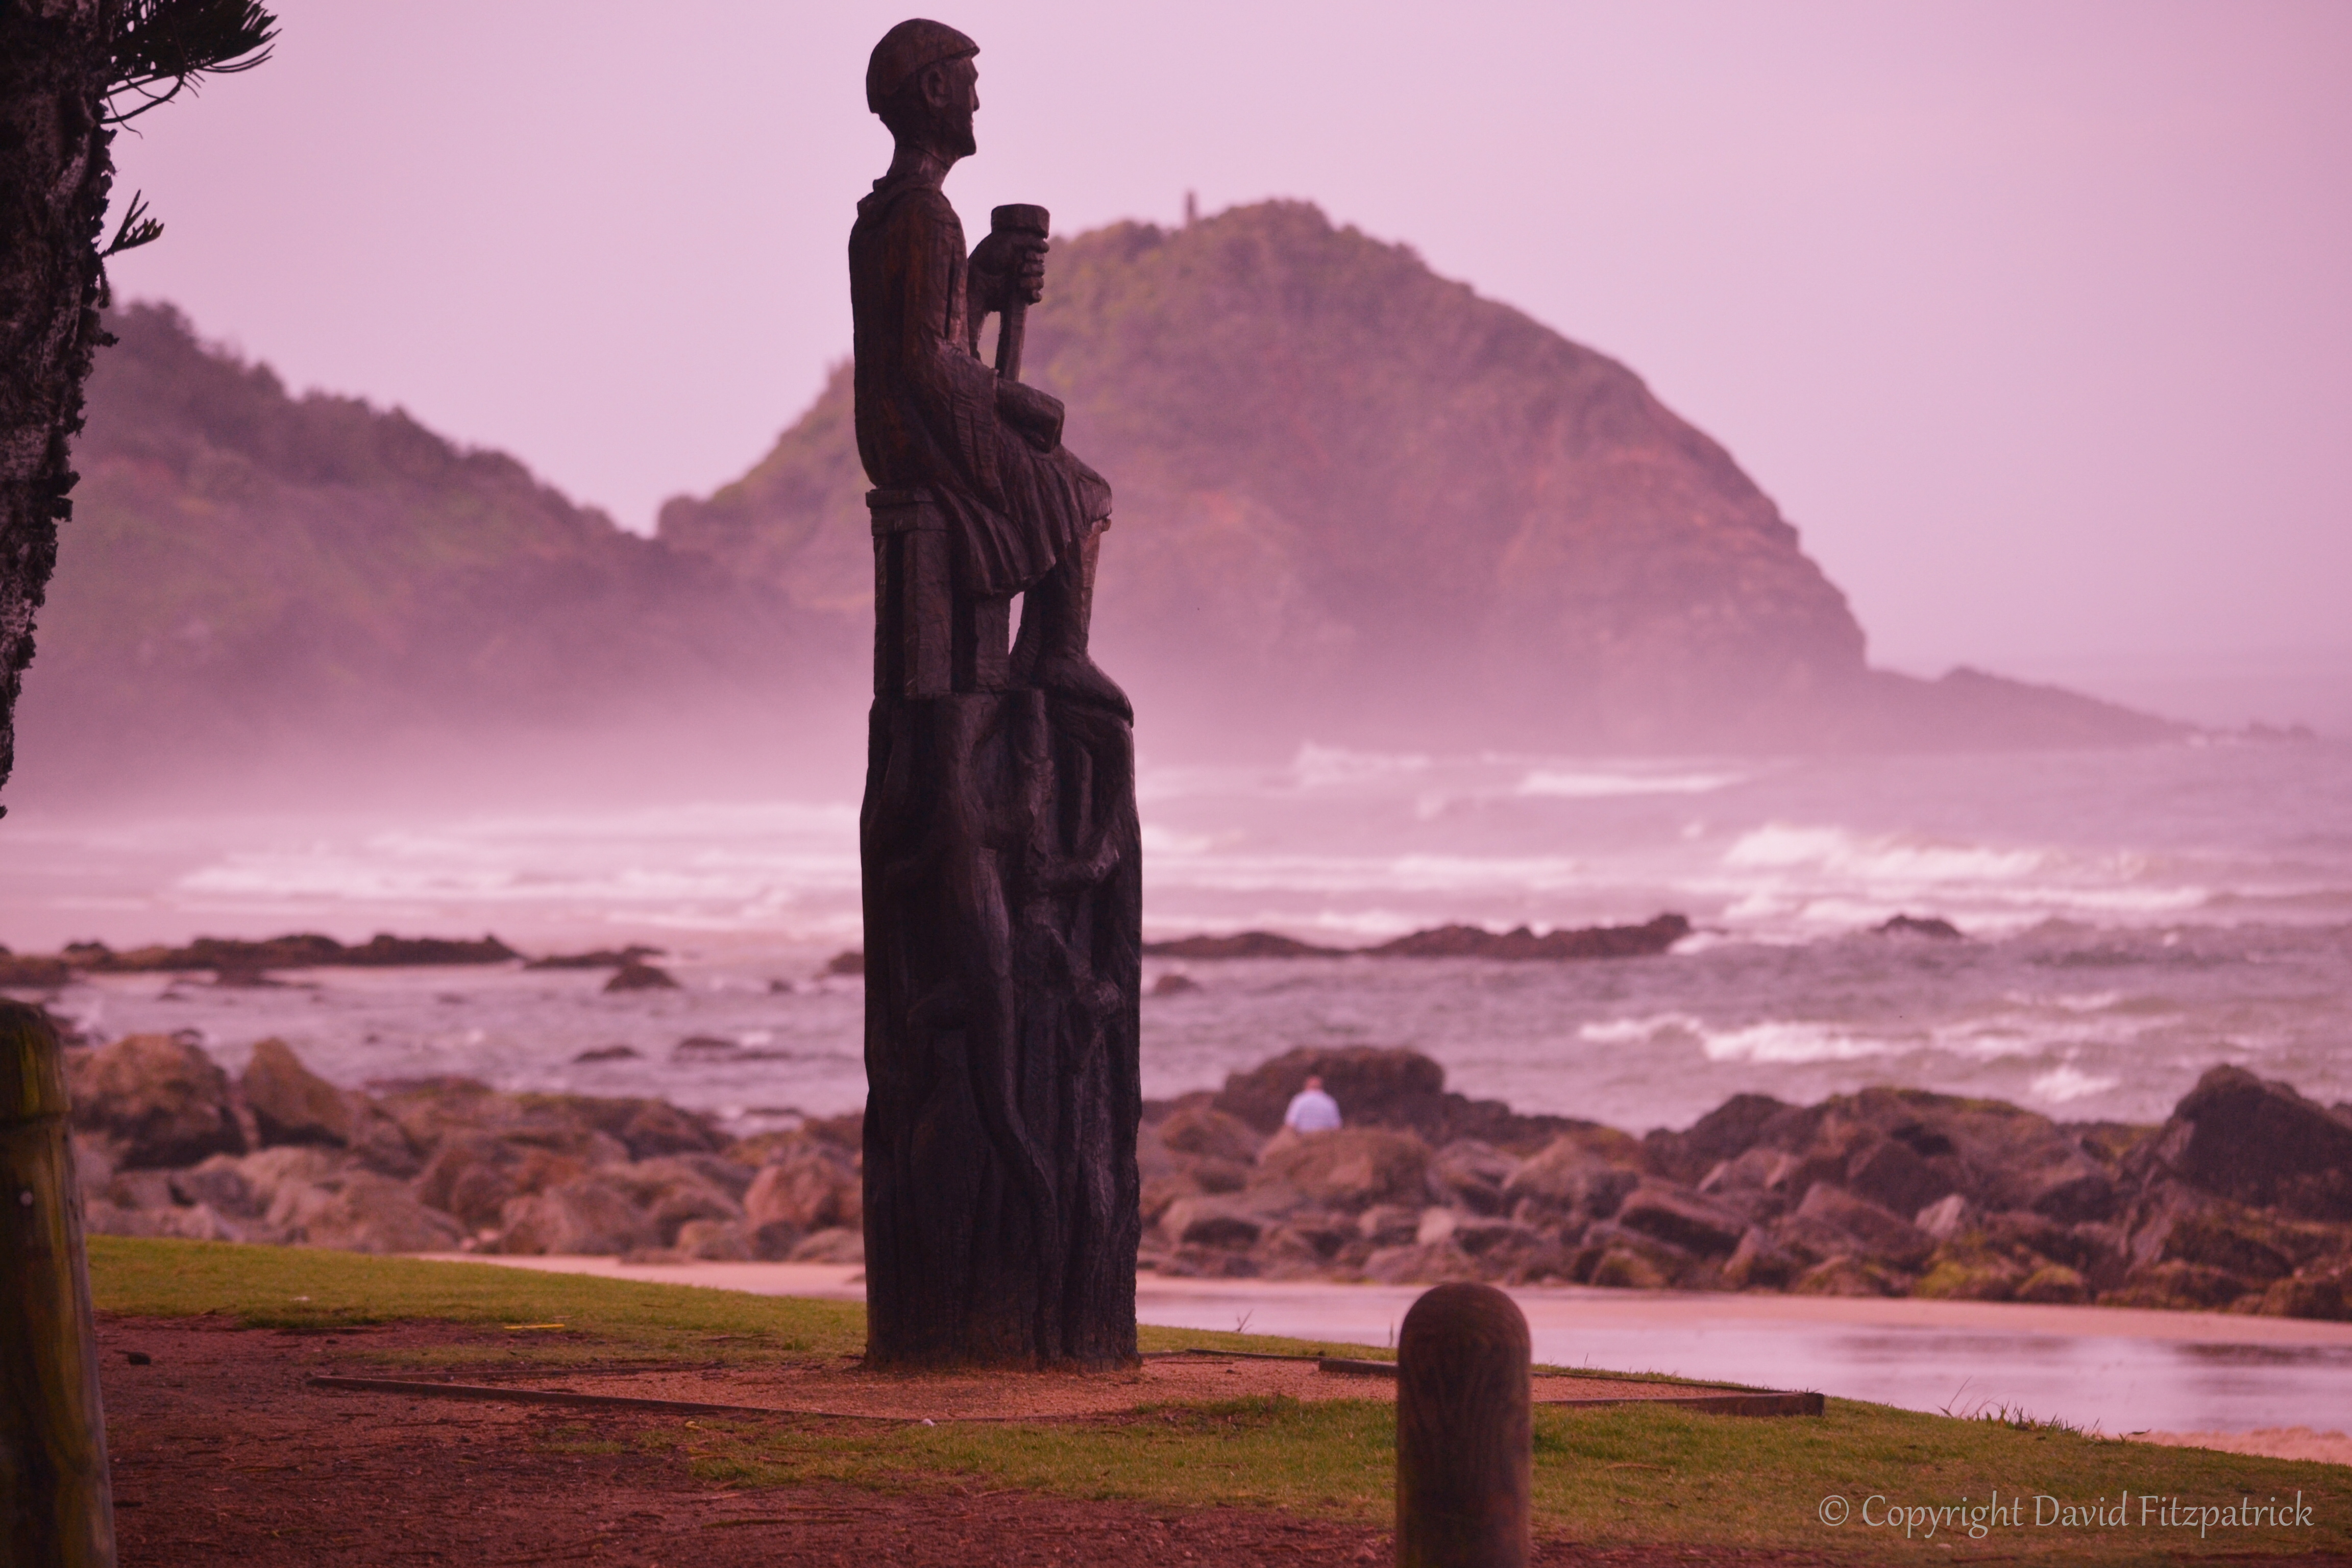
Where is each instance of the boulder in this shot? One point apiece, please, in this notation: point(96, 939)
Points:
point(1892, 1174)
point(656, 1127)
point(589, 1214)
point(1627, 1268)
point(808, 1188)
point(2177, 1287)
point(360, 1210)
point(1876, 1233)
point(1389, 1225)
point(1567, 1179)
point(674, 1193)
point(1203, 1132)
point(2053, 1285)
point(1963, 1271)
point(291, 1104)
point(1470, 1173)
point(774, 1242)
point(1728, 1131)
point(1437, 1264)
point(158, 1100)
point(636, 975)
point(1682, 1219)
point(1757, 1263)
point(1212, 1222)
point(2322, 1296)
point(1353, 1168)
point(2262, 1143)
point(1847, 1276)
point(837, 1244)
point(713, 1241)
point(1945, 1218)
point(1374, 1087)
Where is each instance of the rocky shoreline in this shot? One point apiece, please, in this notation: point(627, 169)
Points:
point(2242, 1201)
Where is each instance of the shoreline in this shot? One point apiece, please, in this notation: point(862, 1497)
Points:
point(1592, 1305)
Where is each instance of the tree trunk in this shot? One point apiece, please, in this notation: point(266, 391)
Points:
point(55, 171)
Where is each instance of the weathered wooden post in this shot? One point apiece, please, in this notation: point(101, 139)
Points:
point(1465, 1443)
point(57, 1507)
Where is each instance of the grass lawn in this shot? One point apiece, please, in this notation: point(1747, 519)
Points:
point(1626, 1474)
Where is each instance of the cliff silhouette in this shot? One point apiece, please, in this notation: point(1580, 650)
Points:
point(1358, 503)
point(252, 579)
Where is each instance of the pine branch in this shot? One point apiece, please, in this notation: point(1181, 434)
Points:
point(164, 46)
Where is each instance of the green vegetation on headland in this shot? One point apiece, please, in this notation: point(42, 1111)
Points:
point(1330, 462)
point(2243, 1201)
point(1613, 1475)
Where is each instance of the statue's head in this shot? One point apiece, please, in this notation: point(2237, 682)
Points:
point(922, 82)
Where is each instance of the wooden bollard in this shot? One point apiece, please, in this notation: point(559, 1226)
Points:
point(56, 1506)
point(1466, 1453)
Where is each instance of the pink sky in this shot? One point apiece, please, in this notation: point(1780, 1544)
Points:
point(2032, 316)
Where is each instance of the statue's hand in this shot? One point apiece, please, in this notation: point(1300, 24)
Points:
point(1036, 415)
point(1008, 268)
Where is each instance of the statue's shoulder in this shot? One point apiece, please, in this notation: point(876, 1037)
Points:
point(907, 203)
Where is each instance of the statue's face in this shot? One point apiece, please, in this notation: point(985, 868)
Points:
point(951, 94)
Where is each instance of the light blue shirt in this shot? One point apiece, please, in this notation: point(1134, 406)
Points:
point(1312, 1111)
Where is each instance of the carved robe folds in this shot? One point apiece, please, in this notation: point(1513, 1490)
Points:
point(1003, 922)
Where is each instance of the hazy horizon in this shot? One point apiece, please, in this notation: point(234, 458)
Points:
point(2028, 317)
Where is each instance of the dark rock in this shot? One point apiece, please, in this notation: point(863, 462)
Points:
point(2262, 1143)
point(774, 1242)
point(1391, 1087)
point(1212, 1222)
point(1567, 1180)
point(601, 958)
point(1389, 1225)
point(641, 977)
point(1845, 1276)
point(1471, 1174)
point(1891, 1174)
point(608, 1054)
point(1878, 1233)
point(1933, 926)
point(1352, 1169)
point(591, 1214)
point(2074, 1191)
point(842, 1244)
point(1245, 945)
point(307, 950)
point(2055, 1285)
point(810, 1190)
point(26, 973)
point(1683, 1218)
point(1174, 985)
point(852, 962)
point(1756, 1264)
point(705, 1049)
point(1728, 1131)
point(1592, 941)
point(2178, 1286)
point(1205, 1131)
point(2323, 1297)
point(160, 1101)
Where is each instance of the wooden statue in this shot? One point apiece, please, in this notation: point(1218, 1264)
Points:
point(998, 839)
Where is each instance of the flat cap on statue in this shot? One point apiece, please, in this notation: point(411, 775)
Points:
point(907, 49)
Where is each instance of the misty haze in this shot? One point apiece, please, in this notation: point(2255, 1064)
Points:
point(1814, 635)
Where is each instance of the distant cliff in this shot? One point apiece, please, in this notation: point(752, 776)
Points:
point(1358, 502)
point(246, 571)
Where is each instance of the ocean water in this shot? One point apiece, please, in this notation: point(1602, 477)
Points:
point(2131, 918)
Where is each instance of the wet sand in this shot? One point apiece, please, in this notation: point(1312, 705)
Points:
point(2119, 1371)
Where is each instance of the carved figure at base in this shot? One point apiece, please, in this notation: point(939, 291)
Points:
point(999, 842)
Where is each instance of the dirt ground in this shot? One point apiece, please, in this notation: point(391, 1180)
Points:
point(223, 1455)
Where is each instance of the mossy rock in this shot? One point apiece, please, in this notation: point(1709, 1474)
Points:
point(2053, 1285)
point(2178, 1286)
point(1983, 1277)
